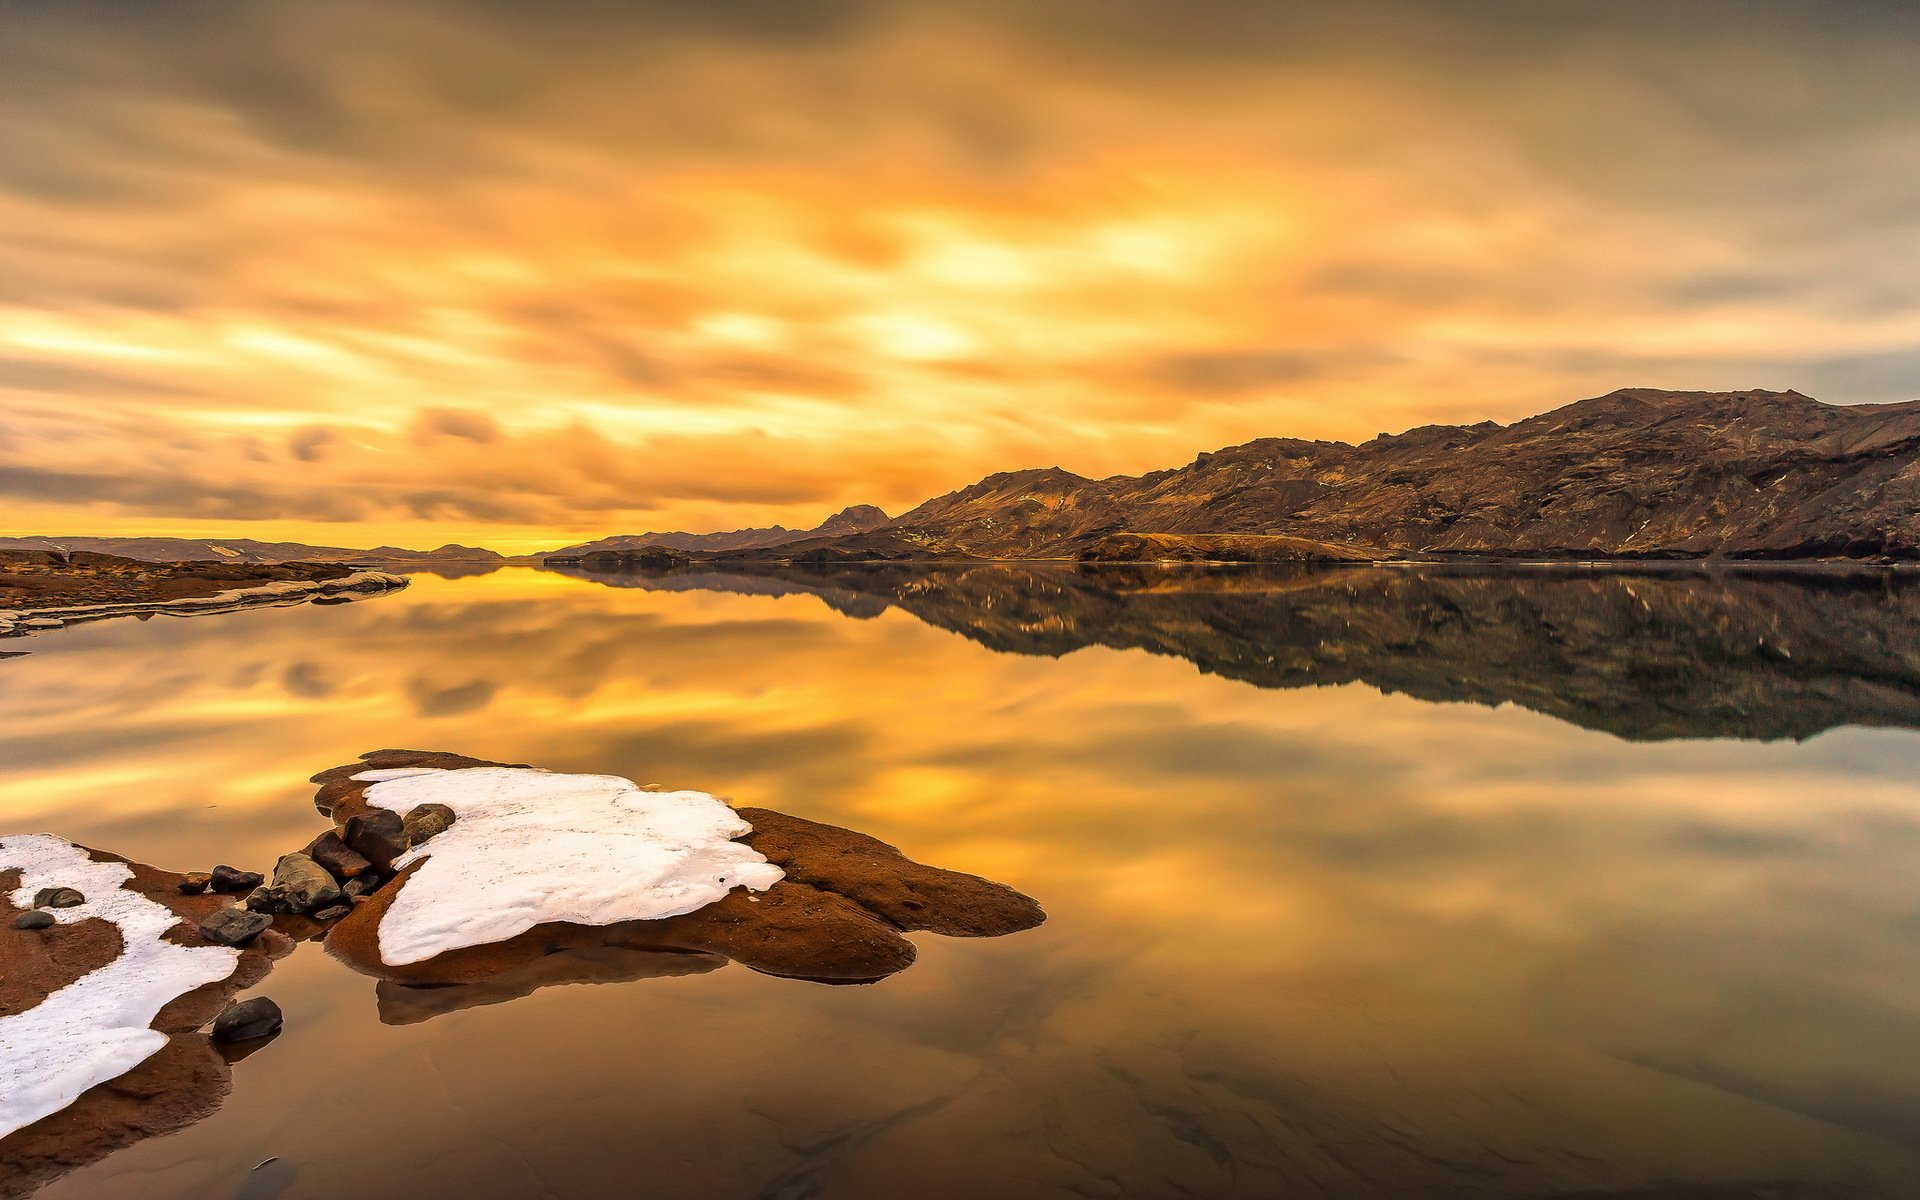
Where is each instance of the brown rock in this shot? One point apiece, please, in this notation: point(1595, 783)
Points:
point(376, 834)
point(230, 879)
point(194, 882)
point(336, 857)
point(425, 821)
point(306, 885)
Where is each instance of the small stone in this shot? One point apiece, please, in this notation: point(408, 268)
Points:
point(268, 899)
point(425, 821)
point(234, 926)
point(361, 885)
point(336, 857)
point(334, 913)
point(35, 919)
point(378, 835)
point(194, 882)
point(247, 1020)
point(307, 885)
point(58, 897)
point(230, 879)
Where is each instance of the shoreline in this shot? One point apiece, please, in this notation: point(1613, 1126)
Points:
point(21, 621)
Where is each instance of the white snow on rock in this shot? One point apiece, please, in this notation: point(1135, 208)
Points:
point(530, 846)
point(97, 1027)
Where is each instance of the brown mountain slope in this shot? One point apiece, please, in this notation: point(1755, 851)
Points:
point(1637, 473)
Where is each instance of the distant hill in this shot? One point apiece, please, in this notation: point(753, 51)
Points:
point(1635, 473)
point(246, 550)
point(858, 519)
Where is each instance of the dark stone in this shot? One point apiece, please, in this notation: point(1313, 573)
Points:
point(35, 919)
point(334, 913)
point(425, 821)
point(234, 926)
point(247, 1020)
point(229, 879)
point(378, 835)
point(269, 899)
point(305, 882)
point(194, 882)
point(337, 858)
point(361, 885)
point(58, 897)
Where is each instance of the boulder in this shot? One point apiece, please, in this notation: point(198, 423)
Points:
point(58, 897)
point(234, 926)
point(269, 898)
point(306, 884)
point(378, 835)
point(247, 1020)
point(337, 858)
point(425, 821)
point(34, 919)
point(230, 879)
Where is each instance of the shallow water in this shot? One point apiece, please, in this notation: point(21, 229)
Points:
point(1360, 884)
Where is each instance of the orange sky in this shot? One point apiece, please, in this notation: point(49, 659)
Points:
point(356, 272)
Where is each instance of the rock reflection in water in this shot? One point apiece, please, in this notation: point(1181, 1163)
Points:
point(1641, 654)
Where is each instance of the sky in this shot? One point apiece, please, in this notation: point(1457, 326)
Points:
point(418, 271)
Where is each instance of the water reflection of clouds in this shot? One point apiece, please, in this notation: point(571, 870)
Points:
point(1738, 914)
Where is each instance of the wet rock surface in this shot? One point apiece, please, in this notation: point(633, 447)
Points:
point(305, 883)
point(838, 916)
point(248, 1020)
point(182, 1083)
point(235, 926)
point(231, 879)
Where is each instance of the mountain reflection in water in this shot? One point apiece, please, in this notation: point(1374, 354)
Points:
point(1645, 656)
point(1316, 942)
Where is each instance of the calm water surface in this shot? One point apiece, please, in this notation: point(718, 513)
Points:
point(1359, 886)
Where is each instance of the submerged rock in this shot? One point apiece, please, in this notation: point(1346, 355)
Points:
point(306, 884)
point(235, 926)
point(247, 1020)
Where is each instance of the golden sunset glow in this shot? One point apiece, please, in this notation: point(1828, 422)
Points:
point(515, 275)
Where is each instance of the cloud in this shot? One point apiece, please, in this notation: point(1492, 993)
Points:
point(681, 264)
point(432, 424)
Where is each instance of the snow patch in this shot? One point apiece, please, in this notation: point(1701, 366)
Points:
point(99, 1026)
point(530, 846)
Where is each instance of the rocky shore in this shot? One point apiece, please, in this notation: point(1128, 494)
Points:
point(46, 589)
point(117, 1019)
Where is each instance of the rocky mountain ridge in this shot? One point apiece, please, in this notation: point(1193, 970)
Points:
point(1637, 473)
point(851, 521)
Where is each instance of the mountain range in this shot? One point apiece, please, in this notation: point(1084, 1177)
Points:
point(857, 519)
point(1637, 473)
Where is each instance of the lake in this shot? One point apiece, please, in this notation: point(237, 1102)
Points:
point(1366, 883)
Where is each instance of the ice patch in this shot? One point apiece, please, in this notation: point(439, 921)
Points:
point(530, 846)
point(99, 1026)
